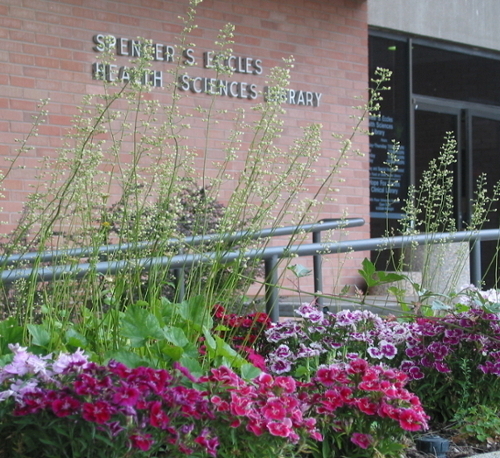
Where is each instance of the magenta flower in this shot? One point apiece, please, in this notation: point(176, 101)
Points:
point(86, 385)
point(278, 428)
point(141, 441)
point(99, 412)
point(411, 420)
point(65, 406)
point(126, 395)
point(273, 410)
point(157, 416)
point(362, 440)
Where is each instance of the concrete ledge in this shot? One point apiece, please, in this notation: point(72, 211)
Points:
point(383, 305)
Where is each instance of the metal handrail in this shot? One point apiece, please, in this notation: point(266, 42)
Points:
point(53, 255)
point(270, 255)
point(176, 263)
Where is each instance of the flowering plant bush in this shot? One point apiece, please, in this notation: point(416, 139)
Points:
point(272, 408)
point(245, 333)
point(363, 409)
point(454, 361)
point(300, 346)
point(451, 361)
point(70, 407)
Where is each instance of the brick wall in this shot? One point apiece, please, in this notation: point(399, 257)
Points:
point(47, 52)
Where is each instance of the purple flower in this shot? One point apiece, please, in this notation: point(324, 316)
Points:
point(283, 352)
point(441, 367)
point(66, 362)
point(280, 366)
point(438, 350)
point(306, 310)
point(388, 349)
point(415, 373)
point(375, 352)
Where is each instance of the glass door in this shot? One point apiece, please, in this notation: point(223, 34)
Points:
point(477, 131)
point(483, 132)
point(432, 124)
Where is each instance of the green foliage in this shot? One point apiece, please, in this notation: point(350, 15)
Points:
point(480, 423)
point(374, 277)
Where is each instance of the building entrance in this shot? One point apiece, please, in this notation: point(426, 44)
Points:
point(477, 131)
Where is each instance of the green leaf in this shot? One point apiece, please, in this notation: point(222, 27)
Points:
point(390, 277)
point(40, 336)
point(249, 371)
point(10, 333)
point(300, 271)
point(301, 371)
point(192, 364)
point(368, 272)
point(196, 312)
point(172, 351)
point(209, 340)
point(128, 358)
point(175, 335)
point(225, 351)
point(75, 339)
point(438, 305)
point(139, 325)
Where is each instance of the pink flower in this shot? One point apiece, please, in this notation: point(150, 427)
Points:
point(265, 379)
point(362, 440)
point(141, 441)
point(257, 360)
point(358, 366)
point(366, 406)
point(410, 420)
point(239, 405)
point(373, 385)
point(226, 376)
point(256, 426)
point(332, 400)
point(329, 375)
point(98, 412)
point(157, 417)
point(65, 406)
point(273, 410)
point(287, 383)
point(281, 429)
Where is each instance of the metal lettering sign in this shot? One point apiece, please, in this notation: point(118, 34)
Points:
point(133, 48)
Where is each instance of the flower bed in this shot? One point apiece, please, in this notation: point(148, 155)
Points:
point(331, 384)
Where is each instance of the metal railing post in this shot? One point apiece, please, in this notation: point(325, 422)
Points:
point(318, 270)
point(272, 297)
point(475, 263)
point(180, 281)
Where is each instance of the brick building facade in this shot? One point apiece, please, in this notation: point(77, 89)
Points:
point(49, 49)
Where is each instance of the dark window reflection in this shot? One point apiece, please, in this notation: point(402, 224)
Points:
point(454, 75)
